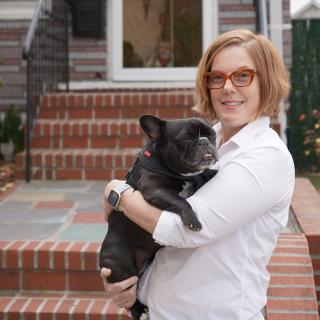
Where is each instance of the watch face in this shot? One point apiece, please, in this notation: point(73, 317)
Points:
point(113, 199)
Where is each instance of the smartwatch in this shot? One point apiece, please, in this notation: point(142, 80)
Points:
point(115, 195)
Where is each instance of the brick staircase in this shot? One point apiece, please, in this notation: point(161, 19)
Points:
point(95, 135)
point(60, 280)
point(53, 280)
point(306, 206)
point(291, 292)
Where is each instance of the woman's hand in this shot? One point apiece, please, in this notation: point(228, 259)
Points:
point(122, 293)
point(107, 208)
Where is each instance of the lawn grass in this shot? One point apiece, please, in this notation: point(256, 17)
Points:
point(315, 181)
point(314, 178)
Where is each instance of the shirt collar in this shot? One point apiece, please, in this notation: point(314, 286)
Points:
point(246, 133)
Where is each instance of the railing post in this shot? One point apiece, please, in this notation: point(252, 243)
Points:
point(28, 122)
point(67, 4)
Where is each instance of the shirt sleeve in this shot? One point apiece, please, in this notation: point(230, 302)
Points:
point(246, 187)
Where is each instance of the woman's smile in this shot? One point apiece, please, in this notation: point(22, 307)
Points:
point(232, 104)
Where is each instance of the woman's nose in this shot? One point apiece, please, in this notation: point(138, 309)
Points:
point(228, 86)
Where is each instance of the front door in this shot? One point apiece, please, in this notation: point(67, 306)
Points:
point(159, 40)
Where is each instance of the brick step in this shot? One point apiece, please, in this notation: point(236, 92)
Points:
point(73, 266)
point(77, 164)
point(116, 105)
point(59, 306)
point(50, 266)
point(306, 206)
point(83, 133)
point(291, 292)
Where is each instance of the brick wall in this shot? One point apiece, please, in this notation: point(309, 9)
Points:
point(235, 14)
point(87, 58)
point(12, 67)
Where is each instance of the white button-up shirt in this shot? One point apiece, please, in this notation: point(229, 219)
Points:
point(219, 273)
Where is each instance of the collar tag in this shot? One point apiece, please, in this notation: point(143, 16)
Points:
point(147, 153)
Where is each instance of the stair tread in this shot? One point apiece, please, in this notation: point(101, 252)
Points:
point(61, 303)
point(89, 121)
point(122, 151)
point(106, 128)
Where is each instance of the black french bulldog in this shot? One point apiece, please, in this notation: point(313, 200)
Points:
point(180, 153)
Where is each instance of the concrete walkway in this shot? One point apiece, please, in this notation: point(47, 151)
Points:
point(54, 211)
point(60, 210)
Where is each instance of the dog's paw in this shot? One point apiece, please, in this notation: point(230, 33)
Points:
point(195, 226)
point(191, 221)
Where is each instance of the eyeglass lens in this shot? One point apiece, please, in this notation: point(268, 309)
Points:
point(239, 79)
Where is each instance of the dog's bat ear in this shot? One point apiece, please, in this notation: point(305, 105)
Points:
point(152, 126)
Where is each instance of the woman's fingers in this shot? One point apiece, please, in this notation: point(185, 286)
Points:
point(123, 293)
point(122, 285)
point(127, 298)
point(104, 274)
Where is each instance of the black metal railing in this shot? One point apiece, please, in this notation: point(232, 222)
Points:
point(47, 54)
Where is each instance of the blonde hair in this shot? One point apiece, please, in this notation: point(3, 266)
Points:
point(273, 75)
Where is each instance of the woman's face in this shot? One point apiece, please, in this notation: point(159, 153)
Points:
point(234, 106)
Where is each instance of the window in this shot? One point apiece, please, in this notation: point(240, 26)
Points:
point(160, 39)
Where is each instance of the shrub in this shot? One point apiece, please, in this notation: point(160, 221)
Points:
point(11, 129)
point(311, 139)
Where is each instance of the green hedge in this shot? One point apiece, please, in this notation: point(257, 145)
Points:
point(304, 113)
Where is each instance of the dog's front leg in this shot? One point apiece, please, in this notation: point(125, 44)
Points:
point(167, 199)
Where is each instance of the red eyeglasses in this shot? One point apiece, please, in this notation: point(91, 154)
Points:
point(239, 78)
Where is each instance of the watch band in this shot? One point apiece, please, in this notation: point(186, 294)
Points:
point(121, 187)
point(115, 195)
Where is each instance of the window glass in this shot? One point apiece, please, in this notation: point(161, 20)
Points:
point(162, 33)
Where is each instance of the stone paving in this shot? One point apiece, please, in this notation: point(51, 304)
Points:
point(54, 210)
point(61, 210)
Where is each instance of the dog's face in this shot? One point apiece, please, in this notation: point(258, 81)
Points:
point(186, 145)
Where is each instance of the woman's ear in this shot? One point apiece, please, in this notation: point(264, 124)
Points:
point(152, 126)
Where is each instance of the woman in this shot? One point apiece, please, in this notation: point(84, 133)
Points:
point(220, 272)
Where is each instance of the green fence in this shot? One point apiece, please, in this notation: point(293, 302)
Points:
point(304, 113)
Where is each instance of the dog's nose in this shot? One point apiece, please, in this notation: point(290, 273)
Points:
point(203, 141)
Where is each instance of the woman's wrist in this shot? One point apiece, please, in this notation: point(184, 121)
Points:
point(138, 210)
point(124, 199)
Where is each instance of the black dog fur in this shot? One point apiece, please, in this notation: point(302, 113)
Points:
point(180, 151)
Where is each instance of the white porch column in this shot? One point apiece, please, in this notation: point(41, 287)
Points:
point(276, 36)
